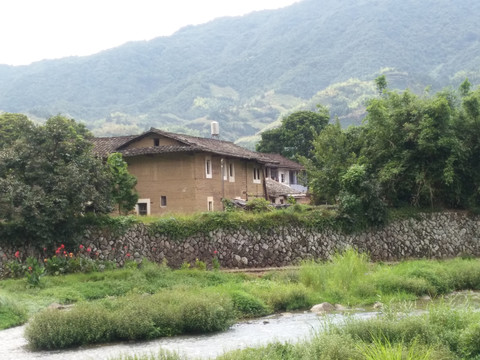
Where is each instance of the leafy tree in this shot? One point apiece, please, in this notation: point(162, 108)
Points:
point(123, 184)
point(331, 156)
point(360, 198)
point(410, 146)
point(381, 83)
point(465, 88)
point(13, 127)
point(49, 179)
point(295, 135)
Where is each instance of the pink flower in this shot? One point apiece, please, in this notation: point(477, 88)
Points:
point(29, 268)
point(62, 246)
point(17, 254)
point(128, 254)
point(44, 249)
point(215, 252)
point(88, 250)
point(81, 247)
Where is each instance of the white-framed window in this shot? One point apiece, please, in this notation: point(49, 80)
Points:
point(143, 207)
point(231, 171)
point(224, 169)
point(282, 177)
point(256, 175)
point(210, 203)
point(163, 201)
point(208, 167)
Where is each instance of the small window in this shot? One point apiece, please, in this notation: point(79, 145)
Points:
point(143, 207)
point(256, 175)
point(210, 203)
point(208, 167)
point(282, 177)
point(156, 142)
point(231, 172)
point(224, 169)
point(163, 201)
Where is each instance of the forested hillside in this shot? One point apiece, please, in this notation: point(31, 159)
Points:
point(247, 71)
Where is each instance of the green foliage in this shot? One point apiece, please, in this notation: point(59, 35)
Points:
point(248, 305)
point(382, 349)
point(411, 150)
point(258, 205)
point(123, 184)
point(381, 83)
point(331, 156)
point(11, 313)
point(12, 128)
point(360, 197)
point(131, 318)
point(342, 279)
point(294, 137)
point(33, 271)
point(48, 179)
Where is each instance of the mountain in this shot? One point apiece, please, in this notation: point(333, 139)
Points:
point(247, 71)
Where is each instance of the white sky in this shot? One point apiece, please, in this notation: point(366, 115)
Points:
point(32, 30)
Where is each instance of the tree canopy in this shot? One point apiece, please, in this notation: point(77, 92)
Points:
point(412, 150)
point(49, 178)
point(294, 137)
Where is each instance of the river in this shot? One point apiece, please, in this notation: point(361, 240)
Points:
point(289, 327)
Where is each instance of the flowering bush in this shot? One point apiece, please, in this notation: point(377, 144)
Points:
point(33, 272)
point(62, 262)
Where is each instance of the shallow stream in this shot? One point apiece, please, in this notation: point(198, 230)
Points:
point(287, 327)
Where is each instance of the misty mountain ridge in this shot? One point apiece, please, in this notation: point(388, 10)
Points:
point(246, 72)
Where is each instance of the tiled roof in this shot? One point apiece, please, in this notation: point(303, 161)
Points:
point(280, 161)
point(155, 150)
point(274, 188)
point(105, 146)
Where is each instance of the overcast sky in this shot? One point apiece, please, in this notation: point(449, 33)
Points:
point(32, 30)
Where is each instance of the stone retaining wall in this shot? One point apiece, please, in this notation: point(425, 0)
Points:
point(436, 235)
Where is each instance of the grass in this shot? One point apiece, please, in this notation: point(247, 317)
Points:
point(349, 279)
point(441, 333)
point(11, 313)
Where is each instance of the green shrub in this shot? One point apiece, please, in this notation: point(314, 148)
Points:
point(54, 329)
point(248, 305)
point(258, 205)
point(204, 313)
point(469, 343)
point(281, 297)
point(136, 317)
point(340, 278)
point(33, 272)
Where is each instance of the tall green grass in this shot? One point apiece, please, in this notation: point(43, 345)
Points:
point(137, 317)
point(11, 313)
point(343, 279)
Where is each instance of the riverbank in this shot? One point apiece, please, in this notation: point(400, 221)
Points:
point(117, 305)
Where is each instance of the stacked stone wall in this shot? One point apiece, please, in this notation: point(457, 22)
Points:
point(436, 235)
